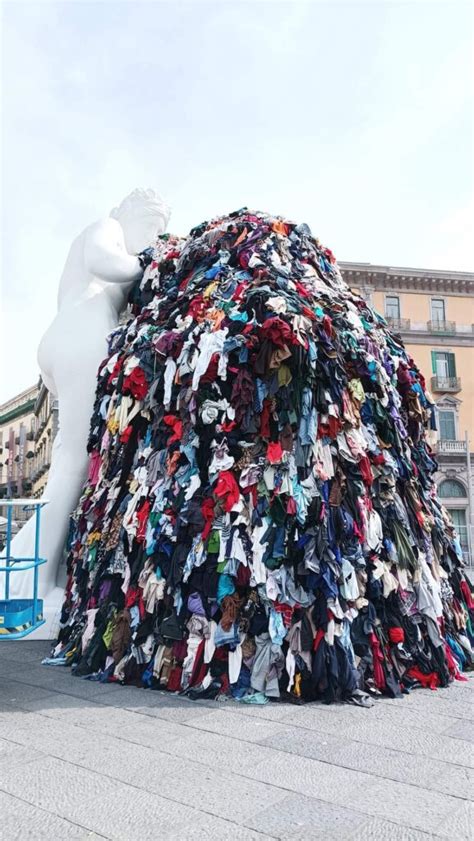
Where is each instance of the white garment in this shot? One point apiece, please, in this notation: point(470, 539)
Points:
point(170, 371)
point(209, 344)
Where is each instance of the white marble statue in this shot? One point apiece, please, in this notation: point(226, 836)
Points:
point(100, 270)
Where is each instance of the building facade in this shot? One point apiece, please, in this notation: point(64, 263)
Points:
point(46, 427)
point(434, 313)
point(28, 426)
point(17, 446)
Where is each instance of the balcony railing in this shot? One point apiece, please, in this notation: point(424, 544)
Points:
point(444, 327)
point(445, 384)
point(451, 446)
point(399, 324)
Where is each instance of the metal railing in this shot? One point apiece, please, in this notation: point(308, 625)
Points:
point(445, 383)
point(446, 327)
point(400, 324)
point(19, 617)
point(452, 447)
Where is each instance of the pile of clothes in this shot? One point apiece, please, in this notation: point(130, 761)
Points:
point(260, 519)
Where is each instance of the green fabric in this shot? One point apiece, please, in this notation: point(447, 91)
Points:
point(214, 543)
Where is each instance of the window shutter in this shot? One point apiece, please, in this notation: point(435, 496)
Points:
point(433, 361)
point(451, 364)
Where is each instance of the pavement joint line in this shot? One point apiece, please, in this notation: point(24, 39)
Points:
point(253, 779)
point(235, 708)
point(153, 793)
point(367, 815)
point(55, 815)
point(279, 750)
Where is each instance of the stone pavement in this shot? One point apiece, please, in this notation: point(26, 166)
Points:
point(81, 760)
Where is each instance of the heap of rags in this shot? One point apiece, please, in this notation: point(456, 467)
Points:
point(260, 518)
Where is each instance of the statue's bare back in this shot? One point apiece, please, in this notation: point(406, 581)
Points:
point(100, 269)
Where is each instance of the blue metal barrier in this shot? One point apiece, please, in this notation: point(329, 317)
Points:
point(19, 617)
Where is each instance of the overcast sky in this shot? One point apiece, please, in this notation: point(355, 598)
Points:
point(354, 117)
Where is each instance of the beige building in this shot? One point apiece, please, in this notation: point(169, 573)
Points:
point(46, 427)
point(28, 426)
point(17, 431)
point(434, 313)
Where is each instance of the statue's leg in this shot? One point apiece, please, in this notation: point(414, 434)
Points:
point(66, 477)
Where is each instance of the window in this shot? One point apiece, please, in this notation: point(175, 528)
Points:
point(458, 516)
point(443, 363)
point(447, 425)
point(392, 306)
point(437, 310)
point(450, 488)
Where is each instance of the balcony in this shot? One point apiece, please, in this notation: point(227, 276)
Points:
point(452, 384)
point(400, 325)
point(445, 328)
point(451, 447)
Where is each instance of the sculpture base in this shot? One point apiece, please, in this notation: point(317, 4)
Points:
point(52, 604)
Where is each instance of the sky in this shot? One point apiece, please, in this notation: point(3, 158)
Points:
point(356, 118)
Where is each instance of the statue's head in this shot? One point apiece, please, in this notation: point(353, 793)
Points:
point(143, 215)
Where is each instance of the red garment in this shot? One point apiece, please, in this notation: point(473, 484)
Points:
point(274, 452)
point(467, 595)
point(228, 426)
point(210, 375)
point(115, 371)
point(207, 509)
point(124, 438)
point(200, 668)
point(242, 578)
point(131, 597)
point(453, 667)
point(430, 681)
point(277, 330)
point(327, 325)
point(303, 292)
point(378, 459)
point(377, 656)
point(319, 636)
point(291, 506)
point(265, 419)
point(286, 611)
point(364, 467)
point(227, 490)
point(396, 635)
point(136, 383)
point(177, 427)
point(196, 308)
point(94, 467)
point(142, 517)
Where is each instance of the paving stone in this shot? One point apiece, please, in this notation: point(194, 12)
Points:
point(375, 829)
point(404, 804)
point(216, 751)
point(300, 817)
point(304, 743)
point(459, 824)
point(17, 694)
point(22, 822)
point(395, 736)
point(96, 761)
point(396, 765)
point(461, 730)
point(230, 723)
point(12, 753)
point(105, 806)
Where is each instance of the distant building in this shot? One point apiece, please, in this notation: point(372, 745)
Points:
point(46, 427)
point(434, 313)
point(17, 431)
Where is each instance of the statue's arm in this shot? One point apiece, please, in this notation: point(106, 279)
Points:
point(105, 254)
